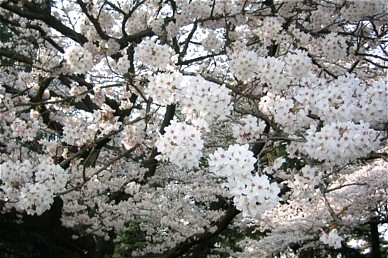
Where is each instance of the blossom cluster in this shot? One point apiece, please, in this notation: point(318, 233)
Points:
point(78, 91)
point(253, 194)
point(123, 64)
point(26, 130)
point(202, 101)
point(373, 104)
point(79, 59)
point(76, 133)
point(153, 55)
point(31, 187)
point(269, 30)
point(212, 42)
point(301, 37)
point(273, 72)
point(321, 17)
point(139, 18)
point(333, 47)
point(287, 112)
point(304, 184)
point(332, 239)
point(163, 88)
point(298, 64)
point(248, 129)
point(131, 136)
point(125, 100)
point(340, 142)
point(181, 144)
point(104, 120)
point(243, 64)
point(346, 98)
point(191, 11)
point(355, 10)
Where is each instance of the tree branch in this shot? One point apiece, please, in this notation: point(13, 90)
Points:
point(37, 14)
point(197, 239)
point(151, 163)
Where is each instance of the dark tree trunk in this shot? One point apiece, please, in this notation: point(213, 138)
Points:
point(375, 240)
point(44, 236)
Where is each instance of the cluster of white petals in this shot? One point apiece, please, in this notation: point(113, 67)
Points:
point(30, 187)
point(26, 130)
point(153, 55)
point(79, 59)
point(332, 239)
point(164, 88)
point(341, 142)
point(200, 101)
point(248, 129)
point(333, 47)
point(253, 194)
point(243, 64)
point(346, 99)
point(139, 18)
point(304, 184)
point(181, 144)
point(125, 100)
point(78, 132)
point(274, 73)
point(203, 101)
point(75, 132)
point(232, 163)
point(79, 92)
point(123, 64)
point(192, 10)
point(212, 42)
point(269, 30)
point(286, 112)
point(131, 136)
point(355, 10)
point(104, 120)
point(298, 63)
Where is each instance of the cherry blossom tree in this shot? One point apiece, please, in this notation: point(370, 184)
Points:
point(182, 121)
